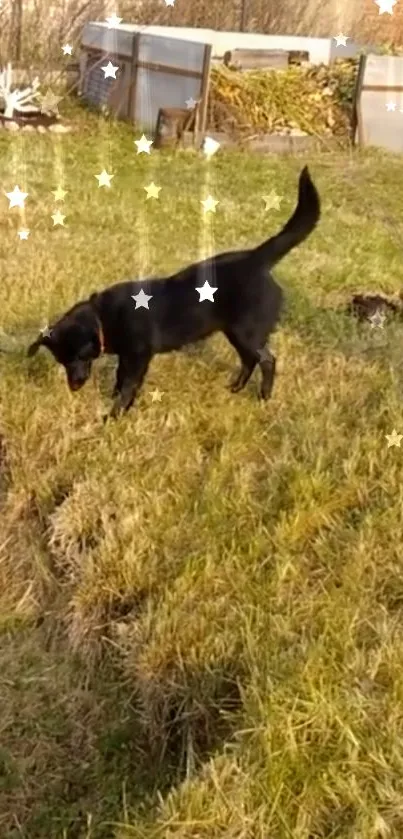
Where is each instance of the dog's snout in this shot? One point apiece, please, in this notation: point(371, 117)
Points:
point(76, 384)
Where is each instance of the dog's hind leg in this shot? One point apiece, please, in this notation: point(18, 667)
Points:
point(249, 359)
point(267, 364)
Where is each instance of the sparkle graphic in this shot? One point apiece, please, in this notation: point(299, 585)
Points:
point(67, 49)
point(104, 179)
point(16, 197)
point(59, 193)
point(113, 20)
point(391, 106)
point(49, 102)
point(341, 40)
point(377, 319)
point(272, 201)
point(210, 147)
point(23, 234)
point(58, 218)
point(209, 204)
point(385, 6)
point(191, 103)
point(394, 439)
point(141, 299)
point(110, 70)
point(169, 2)
point(152, 190)
point(156, 395)
point(143, 145)
point(206, 292)
point(46, 332)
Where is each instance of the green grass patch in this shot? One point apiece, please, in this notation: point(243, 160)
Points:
point(201, 604)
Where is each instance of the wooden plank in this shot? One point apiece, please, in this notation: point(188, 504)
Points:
point(104, 55)
point(382, 88)
point(171, 126)
point(204, 92)
point(166, 68)
point(257, 59)
point(270, 143)
point(298, 56)
point(357, 128)
point(119, 91)
point(133, 79)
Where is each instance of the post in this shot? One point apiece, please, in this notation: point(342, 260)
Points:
point(242, 25)
point(16, 30)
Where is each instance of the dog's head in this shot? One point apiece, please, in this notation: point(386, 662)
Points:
point(75, 341)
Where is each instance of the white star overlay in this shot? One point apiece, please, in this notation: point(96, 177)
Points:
point(46, 332)
point(169, 2)
point(113, 20)
point(206, 292)
point(59, 193)
point(143, 145)
point(210, 147)
point(391, 106)
point(49, 102)
point(152, 190)
point(110, 70)
point(141, 299)
point(341, 40)
point(104, 179)
point(209, 204)
point(16, 197)
point(156, 395)
point(23, 234)
point(385, 6)
point(58, 218)
point(191, 103)
point(394, 439)
point(272, 201)
point(67, 49)
point(377, 319)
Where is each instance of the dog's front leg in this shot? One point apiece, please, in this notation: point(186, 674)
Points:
point(129, 378)
point(119, 380)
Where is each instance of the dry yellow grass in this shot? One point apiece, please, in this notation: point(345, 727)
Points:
point(201, 605)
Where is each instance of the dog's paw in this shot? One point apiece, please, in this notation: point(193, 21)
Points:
point(235, 383)
point(107, 418)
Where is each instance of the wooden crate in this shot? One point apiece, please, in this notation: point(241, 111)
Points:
point(172, 126)
point(264, 59)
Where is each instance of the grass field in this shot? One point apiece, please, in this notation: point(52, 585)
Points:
point(200, 605)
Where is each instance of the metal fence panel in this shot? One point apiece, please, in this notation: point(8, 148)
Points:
point(381, 83)
point(169, 71)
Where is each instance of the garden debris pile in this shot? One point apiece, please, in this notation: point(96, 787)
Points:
point(307, 100)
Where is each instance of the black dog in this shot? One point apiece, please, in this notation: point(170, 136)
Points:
point(247, 304)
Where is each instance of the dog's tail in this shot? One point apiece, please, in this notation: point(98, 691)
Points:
point(303, 220)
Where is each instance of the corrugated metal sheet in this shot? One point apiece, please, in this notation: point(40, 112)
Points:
point(321, 50)
point(175, 70)
point(379, 126)
point(156, 89)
